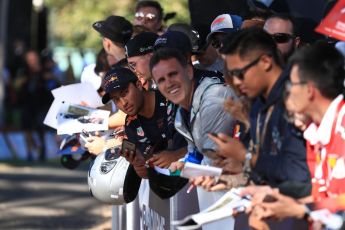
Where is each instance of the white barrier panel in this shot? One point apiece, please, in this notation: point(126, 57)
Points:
point(149, 212)
point(184, 204)
point(206, 199)
point(154, 212)
point(118, 217)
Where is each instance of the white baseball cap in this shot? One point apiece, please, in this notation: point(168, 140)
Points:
point(225, 23)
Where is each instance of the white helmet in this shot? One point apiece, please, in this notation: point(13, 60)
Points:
point(106, 177)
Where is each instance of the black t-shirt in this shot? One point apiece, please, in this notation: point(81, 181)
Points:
point(154, 132)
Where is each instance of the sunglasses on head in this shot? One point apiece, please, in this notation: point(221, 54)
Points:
point(282, 37)
point(239, 73)
point(141, 16)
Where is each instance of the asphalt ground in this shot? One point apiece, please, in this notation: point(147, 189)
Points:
point(48, 196)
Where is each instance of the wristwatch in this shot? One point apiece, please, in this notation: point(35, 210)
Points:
point(307, 212)
point(246, 167)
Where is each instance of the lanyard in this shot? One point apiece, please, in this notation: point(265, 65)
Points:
point(260, 136)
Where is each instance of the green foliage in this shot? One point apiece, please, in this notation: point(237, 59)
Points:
point(71, 20)
point(180, 7)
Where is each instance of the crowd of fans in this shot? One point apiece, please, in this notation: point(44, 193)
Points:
point(253, 97)
point(28, 79)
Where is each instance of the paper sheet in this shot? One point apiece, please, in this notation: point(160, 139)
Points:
point(192, 170)
point(77, 93)
point(74, 118)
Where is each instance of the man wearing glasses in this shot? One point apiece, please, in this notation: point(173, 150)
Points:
point(150, 15)
point(139, 51)
point(277, 154)
point(315, 89)
point(283, 32)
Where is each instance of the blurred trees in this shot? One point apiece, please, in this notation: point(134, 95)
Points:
point(70, 20)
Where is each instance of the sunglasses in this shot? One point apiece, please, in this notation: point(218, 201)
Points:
point(216, 43)
point(239, 73)
point(141, 16)
point(282, 37)
point(289, 85)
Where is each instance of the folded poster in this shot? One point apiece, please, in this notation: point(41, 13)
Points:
point(225, 207)
point(73, 118)
point(192, 170)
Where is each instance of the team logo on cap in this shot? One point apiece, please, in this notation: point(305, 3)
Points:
point(161, 41)
point(218, 21)
point(110, 80)
point(145, 49)
point(223, 21)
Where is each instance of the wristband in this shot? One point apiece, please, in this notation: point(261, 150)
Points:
point(175, 173)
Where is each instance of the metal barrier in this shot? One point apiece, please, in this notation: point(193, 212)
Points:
point(149, 212)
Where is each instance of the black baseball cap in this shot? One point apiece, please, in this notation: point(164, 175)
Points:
point(174, 39)
point(203, 31)
point(141, 44)
point(192, 34)
point(116, 28)
point(117, 78)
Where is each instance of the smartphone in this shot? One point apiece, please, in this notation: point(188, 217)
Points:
point(83, 137)
point(126, 144)
point(85, 133)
